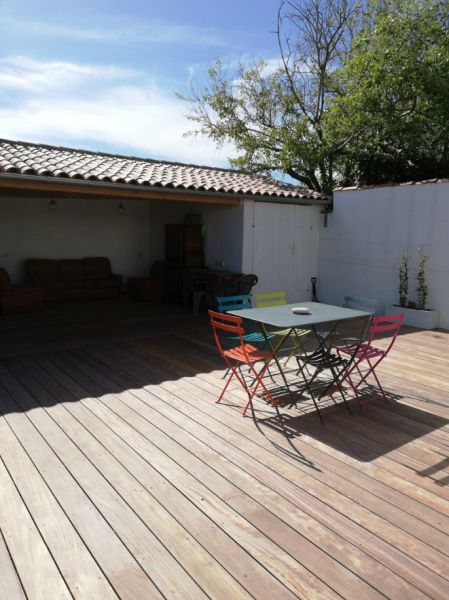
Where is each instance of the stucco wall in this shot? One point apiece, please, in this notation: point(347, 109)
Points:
point(361, 248)
point(78, 227)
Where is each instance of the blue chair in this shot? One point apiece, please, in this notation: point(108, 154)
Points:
point(240, 302)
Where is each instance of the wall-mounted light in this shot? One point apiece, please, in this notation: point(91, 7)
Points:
point(52, 205)
point(121, 208)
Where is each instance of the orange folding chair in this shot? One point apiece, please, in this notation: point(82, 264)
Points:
point(241, 354)
point(370, 354)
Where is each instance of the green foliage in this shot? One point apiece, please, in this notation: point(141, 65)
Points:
point(356, 97)
point(403, 279)
point(396, 95)
point(422, 290)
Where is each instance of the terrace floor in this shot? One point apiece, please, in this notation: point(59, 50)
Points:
point(120, 476)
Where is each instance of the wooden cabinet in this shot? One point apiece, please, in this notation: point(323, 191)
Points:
point(184, 249)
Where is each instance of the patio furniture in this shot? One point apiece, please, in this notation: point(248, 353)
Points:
point(74, 279)
point(281, 317)
point(200, 290)
point(360, 303)
point(228, 303)
point(149, 288)
point(246, 283)
point(279, 299)
point(367, 352)
point(18, 298)
point(241, 354)
point(326, 358)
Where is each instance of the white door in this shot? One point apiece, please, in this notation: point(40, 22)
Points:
point(284, 253)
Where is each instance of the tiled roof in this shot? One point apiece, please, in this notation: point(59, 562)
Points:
point(41, 160)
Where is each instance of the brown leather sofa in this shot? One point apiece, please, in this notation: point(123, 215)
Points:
point(18, 298)
point(74, 279)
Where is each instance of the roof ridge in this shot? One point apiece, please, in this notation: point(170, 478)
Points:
point(149, 160)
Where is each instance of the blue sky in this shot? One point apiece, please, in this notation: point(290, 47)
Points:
point(103, 74)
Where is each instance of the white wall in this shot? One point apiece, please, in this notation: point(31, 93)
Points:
point(78, 227)
point(361, 248)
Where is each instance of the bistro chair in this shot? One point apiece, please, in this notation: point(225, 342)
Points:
point(369, 354)
point(241, 354)
point(324, 368)
point(240, 302)
point(246, 283)
point(279, 299)
point(359, 303)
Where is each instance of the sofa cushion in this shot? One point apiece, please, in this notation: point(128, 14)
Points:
point(108, 283)
point(41, 270)
point(97, 267)
point(71, 269)
point(5, 281)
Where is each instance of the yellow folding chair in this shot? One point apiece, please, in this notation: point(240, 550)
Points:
point(278, 299)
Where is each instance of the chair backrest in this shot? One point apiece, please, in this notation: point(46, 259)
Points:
point(386, 324)
point(360, 303)
point(225, 325)
point(226, 303)
point(270, 299)
point(247, 282)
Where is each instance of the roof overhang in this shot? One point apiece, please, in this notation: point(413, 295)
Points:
point(58, 185)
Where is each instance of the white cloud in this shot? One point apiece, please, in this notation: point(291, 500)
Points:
point(25, 74)
point(136, 116)
point(155, 32)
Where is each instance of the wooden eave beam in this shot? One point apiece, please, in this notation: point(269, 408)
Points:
point(114, 190)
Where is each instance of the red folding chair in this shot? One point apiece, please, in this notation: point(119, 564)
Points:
point(242, 354)
point(367, 352)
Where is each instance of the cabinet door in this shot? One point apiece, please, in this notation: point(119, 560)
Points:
point(174, 245)
point(193, 247)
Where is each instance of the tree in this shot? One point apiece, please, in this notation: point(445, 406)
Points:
point(275, 115)
point(359, 95)
point(395, 95)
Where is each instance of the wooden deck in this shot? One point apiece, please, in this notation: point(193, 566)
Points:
point(120, 477)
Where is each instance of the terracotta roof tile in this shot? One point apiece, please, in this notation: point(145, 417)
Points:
point(41, 160)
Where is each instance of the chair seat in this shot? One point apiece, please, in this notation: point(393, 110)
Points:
point(247, 354)
point(323, 360)
point(362, 351)
point(256, 337)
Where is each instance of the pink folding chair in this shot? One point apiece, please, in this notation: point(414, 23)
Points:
point(368, 353)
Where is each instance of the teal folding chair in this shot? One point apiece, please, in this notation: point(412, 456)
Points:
point(240, 302)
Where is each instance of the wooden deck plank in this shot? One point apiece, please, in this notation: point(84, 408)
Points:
point(35, 566)
point(81, 573)
point(10, 585)
point(222, 506)
point(172, 401)
point(125, 574)
point(277, 503)
point(90, 433)
point(230, 520)
point(368, 515)
point(211, 384)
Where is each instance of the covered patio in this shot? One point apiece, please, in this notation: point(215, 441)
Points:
point(120, 476)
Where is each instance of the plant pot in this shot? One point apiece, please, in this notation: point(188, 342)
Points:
point(423, 319)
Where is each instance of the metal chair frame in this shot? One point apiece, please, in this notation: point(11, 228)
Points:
point(326, 357)
point(369, 353)
point(239, 355)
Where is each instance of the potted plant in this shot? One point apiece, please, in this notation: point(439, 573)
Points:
point(416, 313)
